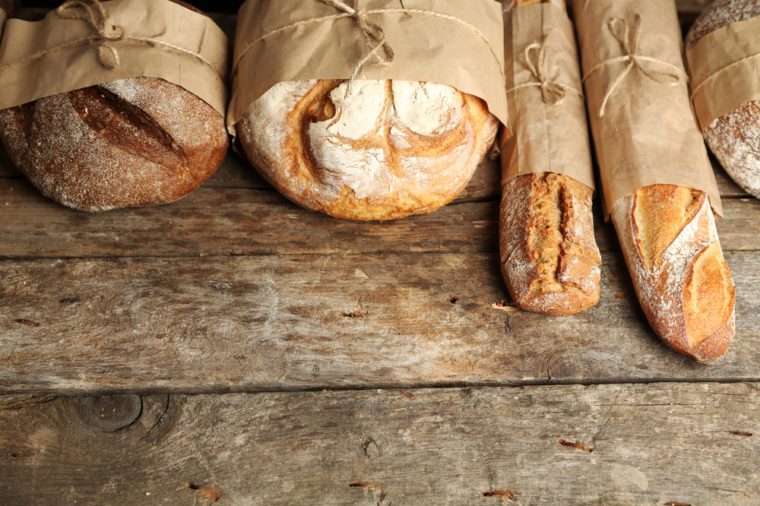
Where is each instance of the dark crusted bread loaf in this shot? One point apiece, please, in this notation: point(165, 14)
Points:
point(734, 138)
point(128, 143)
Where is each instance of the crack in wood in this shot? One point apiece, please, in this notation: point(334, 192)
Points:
point(510, 495)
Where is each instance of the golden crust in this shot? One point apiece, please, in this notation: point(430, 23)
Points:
point(549, 257)
point(682, 280)
point(443, 174)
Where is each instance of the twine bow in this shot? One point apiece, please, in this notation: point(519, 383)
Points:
point(374, 36)
point(552, 92)
point(95, 15)
point(629, 37)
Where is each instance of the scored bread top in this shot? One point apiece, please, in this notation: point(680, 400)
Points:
point(671, 246)
point(368, 150)
point(127, 143)
point(550, 260)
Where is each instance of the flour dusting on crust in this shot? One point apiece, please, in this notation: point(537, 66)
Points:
point(368, 149)
point(83, 167)
point(734, 138)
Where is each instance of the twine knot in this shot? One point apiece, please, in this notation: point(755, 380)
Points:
point(629, 37)
point(94, 14)
point(535, 58)
point(374, 36)
point(552, 91)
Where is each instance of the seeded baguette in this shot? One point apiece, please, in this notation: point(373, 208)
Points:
point(549, 257)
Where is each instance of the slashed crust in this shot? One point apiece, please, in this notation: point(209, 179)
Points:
point(129, 143)
point(671, 246)
point(377, 150)
point(550, 260)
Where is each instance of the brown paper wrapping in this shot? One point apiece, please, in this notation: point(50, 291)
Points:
point(161, 40)
point(458, 43)
point(725, 70)
point(546, 136)
point(3, 18)
point(648, 134)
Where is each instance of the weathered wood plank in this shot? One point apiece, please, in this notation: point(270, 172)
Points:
point(612, 444)
point(295, 322)
point(242, 221)
point(235, 172)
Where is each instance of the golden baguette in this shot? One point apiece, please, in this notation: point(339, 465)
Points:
point(671, 247)
point(549, 257)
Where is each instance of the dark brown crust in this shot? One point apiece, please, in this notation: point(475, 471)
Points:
point(94, 150)
point(718, 14)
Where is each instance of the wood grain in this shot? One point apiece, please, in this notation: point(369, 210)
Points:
point(344, 321)
point(242, 221)
point(612, 444)
point(236, 172)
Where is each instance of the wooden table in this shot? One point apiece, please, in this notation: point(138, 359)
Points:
point(235, 348)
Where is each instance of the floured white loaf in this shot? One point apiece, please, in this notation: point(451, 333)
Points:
point(374, 150)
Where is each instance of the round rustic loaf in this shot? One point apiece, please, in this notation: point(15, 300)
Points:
point(734, 138)
point(128, 143)
point(368, 150)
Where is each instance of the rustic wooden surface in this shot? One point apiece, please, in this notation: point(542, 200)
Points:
point(611, 444)
point(234, 289)
point(225, 218)
point(294, 322)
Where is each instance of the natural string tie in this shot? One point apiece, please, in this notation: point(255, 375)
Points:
point(106, 37)
point(629, 37)
point(95, 15)
point(552, 91)
point(374, 36)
